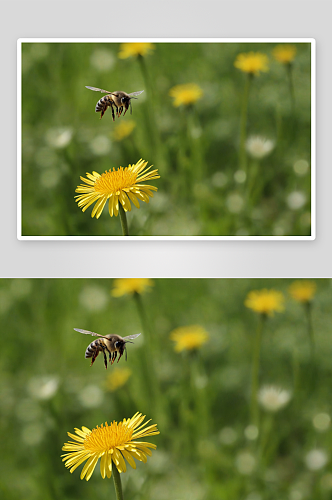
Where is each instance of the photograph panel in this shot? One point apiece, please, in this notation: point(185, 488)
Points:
point(209, 139)
point(233, 372)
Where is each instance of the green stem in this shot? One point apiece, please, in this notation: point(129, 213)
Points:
point(195, 146)
point(142, 315)
point(254, 413)
point(266, 444)
point(243, 127)
point(123, 219)
point(291, 85)
point(149, 358)
point(254, 185)
point(307, 307)
point(117, 483)
point(296, 372)
point(151, 119)
point(199, 395)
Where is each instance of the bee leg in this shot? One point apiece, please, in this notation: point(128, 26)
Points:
point(125, 111)
point(120, 110)
point(117, 110)
point(112, 112)
point(105, 358)
point(114, 356)
point(119, 357)
point(94, 358)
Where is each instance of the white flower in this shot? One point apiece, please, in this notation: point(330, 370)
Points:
point(245, 462)
point(296, 200)
point(93, 298)
point(103, 60)
point(32, 434)
point(219, 179)
point(251, 432)
point(59, 137)
point(50, 178)
point(273, 398)
point(43, 387)
point(321, 422)
point(91, 396)
point(234, 203)
point(301, 167)
point(316, 459)
point(258, 146)
point(227, 436)
point(240, 176)
point(100, 145)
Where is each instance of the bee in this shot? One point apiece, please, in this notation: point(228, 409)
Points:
point(118, 99)
point(113, 344)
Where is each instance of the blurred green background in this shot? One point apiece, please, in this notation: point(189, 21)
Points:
point(200, 400)
point(203, 189)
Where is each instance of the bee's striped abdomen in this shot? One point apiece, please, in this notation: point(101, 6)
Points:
point(103, 104)
point(93, 349)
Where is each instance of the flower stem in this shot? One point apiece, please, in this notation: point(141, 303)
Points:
point(310, 330)
point(254, 413)
point(117, 483)
point(149, 356)
point(143, 316)
point(243, 129)
point(151, 119)
point(123, 219)
point(307, 307)
point(291, 85)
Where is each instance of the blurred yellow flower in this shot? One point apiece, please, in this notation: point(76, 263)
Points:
point(117, 378)
point(123, 286)
point(112, 444)
point(265, 302)
point(284, 53)
point(117, 186)
point(302, 290)
point(187, 93)
point(252, 62)
point(135, 49)
point(187, 338)
point(123, 130)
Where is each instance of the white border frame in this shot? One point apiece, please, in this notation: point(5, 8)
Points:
point(312, 41)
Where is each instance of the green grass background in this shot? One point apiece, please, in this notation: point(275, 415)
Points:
point(195, 149)
point(195, 399)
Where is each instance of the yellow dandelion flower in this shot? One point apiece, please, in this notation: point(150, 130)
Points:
point(112, 444)
point(252, 62)
point(123, 130)
point(188, 338)
point(302, 290)
point(123, 286)
point(117, 186)
point(135, 49)
point(117, 379)
point(185, 94)
point(265, 302)
point(284, 53)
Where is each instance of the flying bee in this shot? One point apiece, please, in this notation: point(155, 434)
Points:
point(111, 344)
point(118, 99)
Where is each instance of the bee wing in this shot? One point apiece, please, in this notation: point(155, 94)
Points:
point(131, 337)
point(99, 90)
point(86, 332)
point(133, 94)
